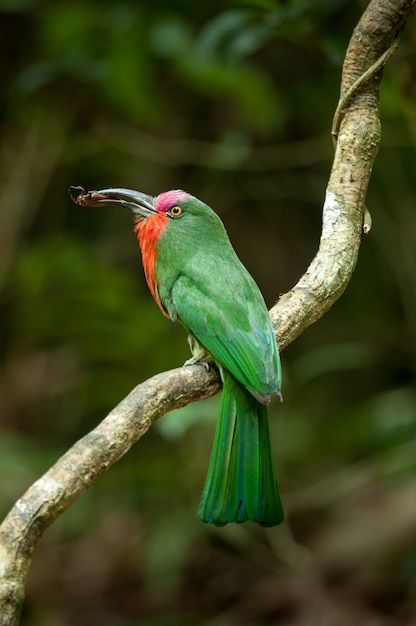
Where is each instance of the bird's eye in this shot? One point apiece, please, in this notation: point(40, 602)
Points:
point(175, 211)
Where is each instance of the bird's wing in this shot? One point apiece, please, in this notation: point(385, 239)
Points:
point(235, 329)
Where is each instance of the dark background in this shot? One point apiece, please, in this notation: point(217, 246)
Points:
point(232, 102)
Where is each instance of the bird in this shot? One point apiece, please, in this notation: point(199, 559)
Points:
point(197, 279)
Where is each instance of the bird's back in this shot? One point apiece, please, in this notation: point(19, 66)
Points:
point(212, 294)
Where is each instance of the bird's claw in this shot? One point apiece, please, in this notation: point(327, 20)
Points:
point(199, 355)
point(198, 360)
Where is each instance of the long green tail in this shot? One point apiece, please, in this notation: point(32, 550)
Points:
point(241, 483)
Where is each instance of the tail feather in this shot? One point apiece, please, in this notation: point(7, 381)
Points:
point(241, 483)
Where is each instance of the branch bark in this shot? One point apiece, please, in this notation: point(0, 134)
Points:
point(357, 131)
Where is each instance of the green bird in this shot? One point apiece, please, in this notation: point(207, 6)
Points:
point(197, 279)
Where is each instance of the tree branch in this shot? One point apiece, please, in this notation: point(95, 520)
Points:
point(358, 136)
point(357, 131)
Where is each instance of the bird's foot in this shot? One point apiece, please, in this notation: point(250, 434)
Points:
point(199, 355)
point(200, 359)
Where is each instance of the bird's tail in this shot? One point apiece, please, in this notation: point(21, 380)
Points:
point(241, 483)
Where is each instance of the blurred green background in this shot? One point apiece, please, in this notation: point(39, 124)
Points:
point(232, 101)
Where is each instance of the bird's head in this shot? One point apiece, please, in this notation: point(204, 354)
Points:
point(172, 204)
point(177, 215)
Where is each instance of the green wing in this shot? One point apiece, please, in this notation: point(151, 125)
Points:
point(230, 319)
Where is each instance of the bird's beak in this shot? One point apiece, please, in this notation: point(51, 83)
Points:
point(139, 203)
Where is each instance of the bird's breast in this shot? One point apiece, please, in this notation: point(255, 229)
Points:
point(148, 233)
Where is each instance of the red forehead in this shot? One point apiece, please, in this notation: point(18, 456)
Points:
point(167, 199)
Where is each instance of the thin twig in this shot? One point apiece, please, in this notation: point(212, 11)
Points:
point(358, 85)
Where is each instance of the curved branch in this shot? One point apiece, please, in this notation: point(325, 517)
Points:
point(357, 127)
point(76, 470)
point(323, 282)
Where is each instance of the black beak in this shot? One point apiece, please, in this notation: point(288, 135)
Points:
point(139, 203)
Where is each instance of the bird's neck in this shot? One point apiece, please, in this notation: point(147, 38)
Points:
point(148, 233)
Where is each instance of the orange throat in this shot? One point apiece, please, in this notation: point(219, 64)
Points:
point(148, 232)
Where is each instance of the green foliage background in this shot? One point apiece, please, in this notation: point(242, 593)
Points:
point(232, 101)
